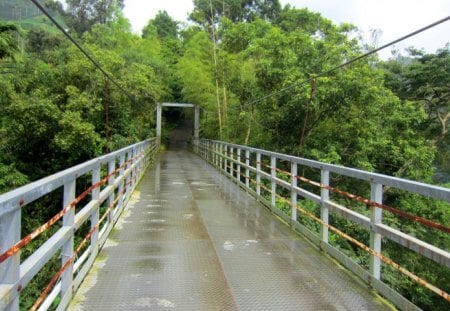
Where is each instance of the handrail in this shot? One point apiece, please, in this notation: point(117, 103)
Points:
point(109, 194)
point(258, 172)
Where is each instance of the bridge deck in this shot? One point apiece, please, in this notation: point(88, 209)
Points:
point(192, 240)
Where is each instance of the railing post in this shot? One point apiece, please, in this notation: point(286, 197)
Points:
point(128, 181)
point(247, 171)
point(258, 174)
point(111, 169)
point(221, 156)
point(231, 155)
point(208, 150)
point(215, 157)
point(273, 175)
point(376, 216)
point(134, 173)
point(9, 236)
point(225, 151)
point(238, 174)
point(95, 215)
point(324, 196)
point(158, 121)
point(68, 247)
point(121, 191)
point(196, 127)
point(293, 192)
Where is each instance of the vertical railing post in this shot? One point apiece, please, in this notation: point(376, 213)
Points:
point(231, 155)
point(238, 173)
point(273, 175)
point(95, 214)
point(111, 169)
point(215, 156)
point(158, 122)
point(247, 171)
point(376, 217)
point(128, 180)
point(294, 195)
point(196, 127)
point(134, 174)
point(258, 174)
point(324, 197)
point(221, 156)
point(9, 236)
point(141, 161)
point(121, 191)
point(225, 151)
point(68, 247)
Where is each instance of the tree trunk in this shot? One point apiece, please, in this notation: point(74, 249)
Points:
point(305, 120)
point(213, 29)
point(249, 129)
point(106, 108)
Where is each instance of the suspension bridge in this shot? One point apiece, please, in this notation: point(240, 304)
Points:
point(221, 227)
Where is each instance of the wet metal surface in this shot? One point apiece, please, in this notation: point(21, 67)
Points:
point(192, 240)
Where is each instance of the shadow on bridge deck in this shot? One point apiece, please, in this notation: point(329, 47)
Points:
point(192, 240)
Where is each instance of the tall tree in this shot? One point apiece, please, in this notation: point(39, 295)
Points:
point(424, 79)
point(166, 26)
point(208, 12)
point(81, 15)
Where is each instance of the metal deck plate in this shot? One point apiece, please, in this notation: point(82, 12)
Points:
point(192, 240)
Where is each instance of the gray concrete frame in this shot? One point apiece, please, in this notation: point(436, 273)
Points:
point(196, 118)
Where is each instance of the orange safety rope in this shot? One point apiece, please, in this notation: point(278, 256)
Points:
point(366, 201)
point(67, 264)
point(27, 239)
point(383, 258)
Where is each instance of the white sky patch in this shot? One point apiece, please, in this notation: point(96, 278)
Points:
point(395, 18)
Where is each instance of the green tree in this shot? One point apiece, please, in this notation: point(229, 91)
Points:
point(208, 12)
point(9, 46)
point(424, 79)
point(81, 15)
point(166, 27)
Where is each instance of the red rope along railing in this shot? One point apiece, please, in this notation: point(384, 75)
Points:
point(361, 245)
point(67, 264)
point(30, 237)
point(357, 243)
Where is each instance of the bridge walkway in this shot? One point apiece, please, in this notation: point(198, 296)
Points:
point(190, 239)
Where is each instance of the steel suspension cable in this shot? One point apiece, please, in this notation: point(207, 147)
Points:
point(365, 55)
point(88, 56)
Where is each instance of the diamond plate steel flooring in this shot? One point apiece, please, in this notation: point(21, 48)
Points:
point(192, 240)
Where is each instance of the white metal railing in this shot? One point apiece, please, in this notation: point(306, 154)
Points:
point(113, 179)
point(260, 173)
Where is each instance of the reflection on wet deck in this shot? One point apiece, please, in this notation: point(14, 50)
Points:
point(192, 240)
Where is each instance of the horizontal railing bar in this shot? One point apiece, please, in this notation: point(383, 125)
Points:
point(81, 259)
point(395, 182)
point(51, 297)
point(425, 249)
point(33, 264)
point(413, 244)
point(19, 197)
point(235, 166)
point(349, 214)
point(85, 213)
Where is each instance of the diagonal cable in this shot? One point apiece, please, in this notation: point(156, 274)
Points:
point(414, 33)
point(88, 56)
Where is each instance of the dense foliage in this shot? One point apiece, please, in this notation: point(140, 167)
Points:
point(389, 117)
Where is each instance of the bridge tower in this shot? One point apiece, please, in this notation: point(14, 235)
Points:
point(196, 118)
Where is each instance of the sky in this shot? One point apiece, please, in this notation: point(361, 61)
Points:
point(395, 18)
